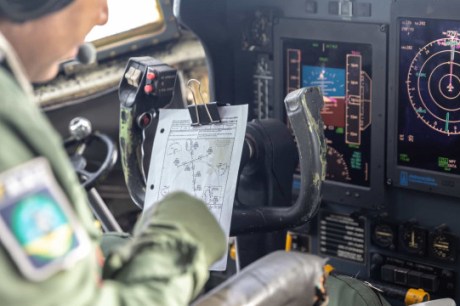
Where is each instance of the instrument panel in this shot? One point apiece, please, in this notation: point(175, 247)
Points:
point(390, 75)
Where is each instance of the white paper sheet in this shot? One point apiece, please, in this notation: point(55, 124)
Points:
point(200, 160)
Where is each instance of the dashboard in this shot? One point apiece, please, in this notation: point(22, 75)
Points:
point(389, 74)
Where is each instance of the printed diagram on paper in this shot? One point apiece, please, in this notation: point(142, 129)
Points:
point(198, 164)
point(200, 160)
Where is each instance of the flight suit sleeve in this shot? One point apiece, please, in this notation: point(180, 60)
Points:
point(167, 261)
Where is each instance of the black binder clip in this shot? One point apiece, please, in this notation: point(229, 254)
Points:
point(204, 113)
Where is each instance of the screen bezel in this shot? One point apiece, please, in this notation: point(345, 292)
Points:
point(446, 184)
point(346, 32)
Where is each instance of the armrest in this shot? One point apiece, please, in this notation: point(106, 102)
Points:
point(279, 278)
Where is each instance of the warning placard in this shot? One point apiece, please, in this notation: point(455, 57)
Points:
point(342, 236)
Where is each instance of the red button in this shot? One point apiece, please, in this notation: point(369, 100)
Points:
point(145, 120)
point(151, 76)
point(148, 89)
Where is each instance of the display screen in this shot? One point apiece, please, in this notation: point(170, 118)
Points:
point(429, 95)
point(343, 71)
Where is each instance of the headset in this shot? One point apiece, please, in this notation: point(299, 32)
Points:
point(23, 10)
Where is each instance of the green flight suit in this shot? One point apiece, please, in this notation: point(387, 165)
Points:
point(349, 291)
point(166, 262)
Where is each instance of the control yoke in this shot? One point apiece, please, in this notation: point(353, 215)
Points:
point(303, 110)
point(148, 85)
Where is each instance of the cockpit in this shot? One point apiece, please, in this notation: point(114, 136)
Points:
point(389, 74)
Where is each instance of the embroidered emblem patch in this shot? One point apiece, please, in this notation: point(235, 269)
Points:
point(37, 226)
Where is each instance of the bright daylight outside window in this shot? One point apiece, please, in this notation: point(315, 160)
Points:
point(128, 19)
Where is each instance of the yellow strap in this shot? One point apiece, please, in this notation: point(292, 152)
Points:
point(288, 246)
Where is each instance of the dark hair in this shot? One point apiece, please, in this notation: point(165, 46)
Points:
point(23, 10)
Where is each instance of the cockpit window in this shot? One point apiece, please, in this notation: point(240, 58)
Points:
point(129, 21)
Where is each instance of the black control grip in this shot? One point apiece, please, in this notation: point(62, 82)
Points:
point(147, 85)
point(303, 109)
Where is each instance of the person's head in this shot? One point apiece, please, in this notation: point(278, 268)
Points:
point(46, 32)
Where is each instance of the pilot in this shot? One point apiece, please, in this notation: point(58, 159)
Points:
point(48, 245)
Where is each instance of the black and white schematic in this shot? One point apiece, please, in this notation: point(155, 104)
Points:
point(200, 160)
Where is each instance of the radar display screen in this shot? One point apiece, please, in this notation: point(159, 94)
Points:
point(343, 72)
point(429, 95)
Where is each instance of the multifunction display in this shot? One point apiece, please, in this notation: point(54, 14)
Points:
point(343, 72)
point(429, 95)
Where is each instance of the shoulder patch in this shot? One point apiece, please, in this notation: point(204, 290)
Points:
point(38, 227)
